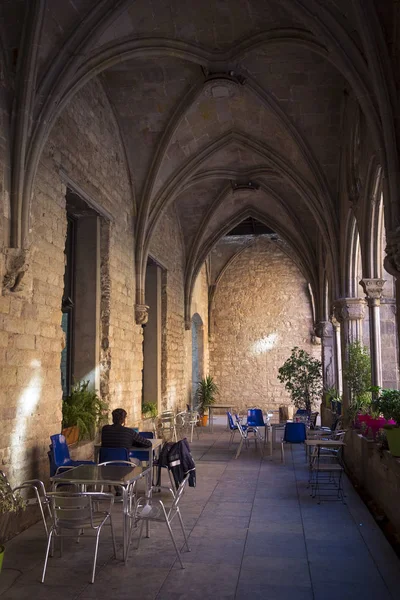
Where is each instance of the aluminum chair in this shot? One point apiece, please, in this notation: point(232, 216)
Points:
point(41, 497)
point(167, 424)
point(79, 512)
point(180, 424)
point(148, 509)
point(326, 472)
point(192, 422)
point(295, 433)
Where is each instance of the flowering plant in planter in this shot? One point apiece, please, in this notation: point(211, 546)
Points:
point(388, 404)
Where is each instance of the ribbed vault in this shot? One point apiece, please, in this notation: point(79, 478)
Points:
point(227, 112)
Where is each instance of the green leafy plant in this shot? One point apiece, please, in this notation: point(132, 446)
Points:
point(332, 398)
point(357, 373)
point(149, 410)
point(302, 376)
point(388, 404)
point(10, 502)
point(85, 409)
point(206, 392)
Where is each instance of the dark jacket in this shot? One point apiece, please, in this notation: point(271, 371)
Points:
point(178, 459)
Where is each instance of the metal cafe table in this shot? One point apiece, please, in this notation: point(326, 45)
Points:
point(124, 477)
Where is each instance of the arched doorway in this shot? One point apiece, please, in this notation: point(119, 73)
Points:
point(197, 353)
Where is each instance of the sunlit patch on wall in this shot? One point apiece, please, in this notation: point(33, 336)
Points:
point(265, 344)
point(26, 407)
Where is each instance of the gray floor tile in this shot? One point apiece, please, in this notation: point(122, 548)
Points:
point(254, 531)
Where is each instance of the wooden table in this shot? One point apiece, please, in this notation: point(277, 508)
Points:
point(122, 477)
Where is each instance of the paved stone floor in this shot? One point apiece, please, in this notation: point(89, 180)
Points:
point(254, 532)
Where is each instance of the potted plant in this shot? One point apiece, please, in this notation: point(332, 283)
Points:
point(357, 373)
point(333, 400)
point(302, 376)
point(389, 405)
point(83, 412)
point(10, 502)
point(206, 391)
point(150, 411)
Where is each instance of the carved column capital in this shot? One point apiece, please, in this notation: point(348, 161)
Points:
point(349, 309)
point(373, 287)
point(323, 329)
point(141, 314)
point(392, 258)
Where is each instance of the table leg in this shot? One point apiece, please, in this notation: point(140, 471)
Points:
point(125, 524)
point(210, 418)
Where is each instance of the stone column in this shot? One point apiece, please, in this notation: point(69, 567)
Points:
point(392, 266)
point(373, 292)
point(350, 313)
point(338, 355)
point(324, 330)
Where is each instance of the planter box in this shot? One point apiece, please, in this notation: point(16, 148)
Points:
point(377, 471)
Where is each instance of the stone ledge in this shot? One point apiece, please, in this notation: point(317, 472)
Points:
point(377, 471)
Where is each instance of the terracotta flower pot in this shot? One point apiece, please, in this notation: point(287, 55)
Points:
point(204, 420)
point(71, 434)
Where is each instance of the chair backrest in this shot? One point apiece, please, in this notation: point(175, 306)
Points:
point(242, 430)
point(108, 454)
point(72, 510)
point(313, 419)
point(149, 435)
point(179, 492)
point(255, 417)
point(231, 422)
point(295, 433)
point(59, 449)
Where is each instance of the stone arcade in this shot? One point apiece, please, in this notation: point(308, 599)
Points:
point(191, 188)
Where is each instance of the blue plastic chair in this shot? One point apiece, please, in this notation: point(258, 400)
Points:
point(295, 433)
point(107, 454)
point(255, 419)
point(233, 428)
point(59, 456)
point(142, 454)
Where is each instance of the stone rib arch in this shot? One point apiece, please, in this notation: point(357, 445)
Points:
point(120, 52)
point(280, 164)
point(352, 257)
point(217, 204)
point(372, 216)
point(190, 277)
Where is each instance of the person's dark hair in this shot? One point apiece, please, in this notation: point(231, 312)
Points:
point(118, 416)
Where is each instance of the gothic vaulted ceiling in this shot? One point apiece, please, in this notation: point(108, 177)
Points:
point(228, 109)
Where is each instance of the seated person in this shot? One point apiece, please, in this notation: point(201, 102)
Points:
point(119, 436)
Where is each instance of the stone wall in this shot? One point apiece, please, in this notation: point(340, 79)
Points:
point(261, 312)
point(174, 349)
point(199, 307)
point(84, 145)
